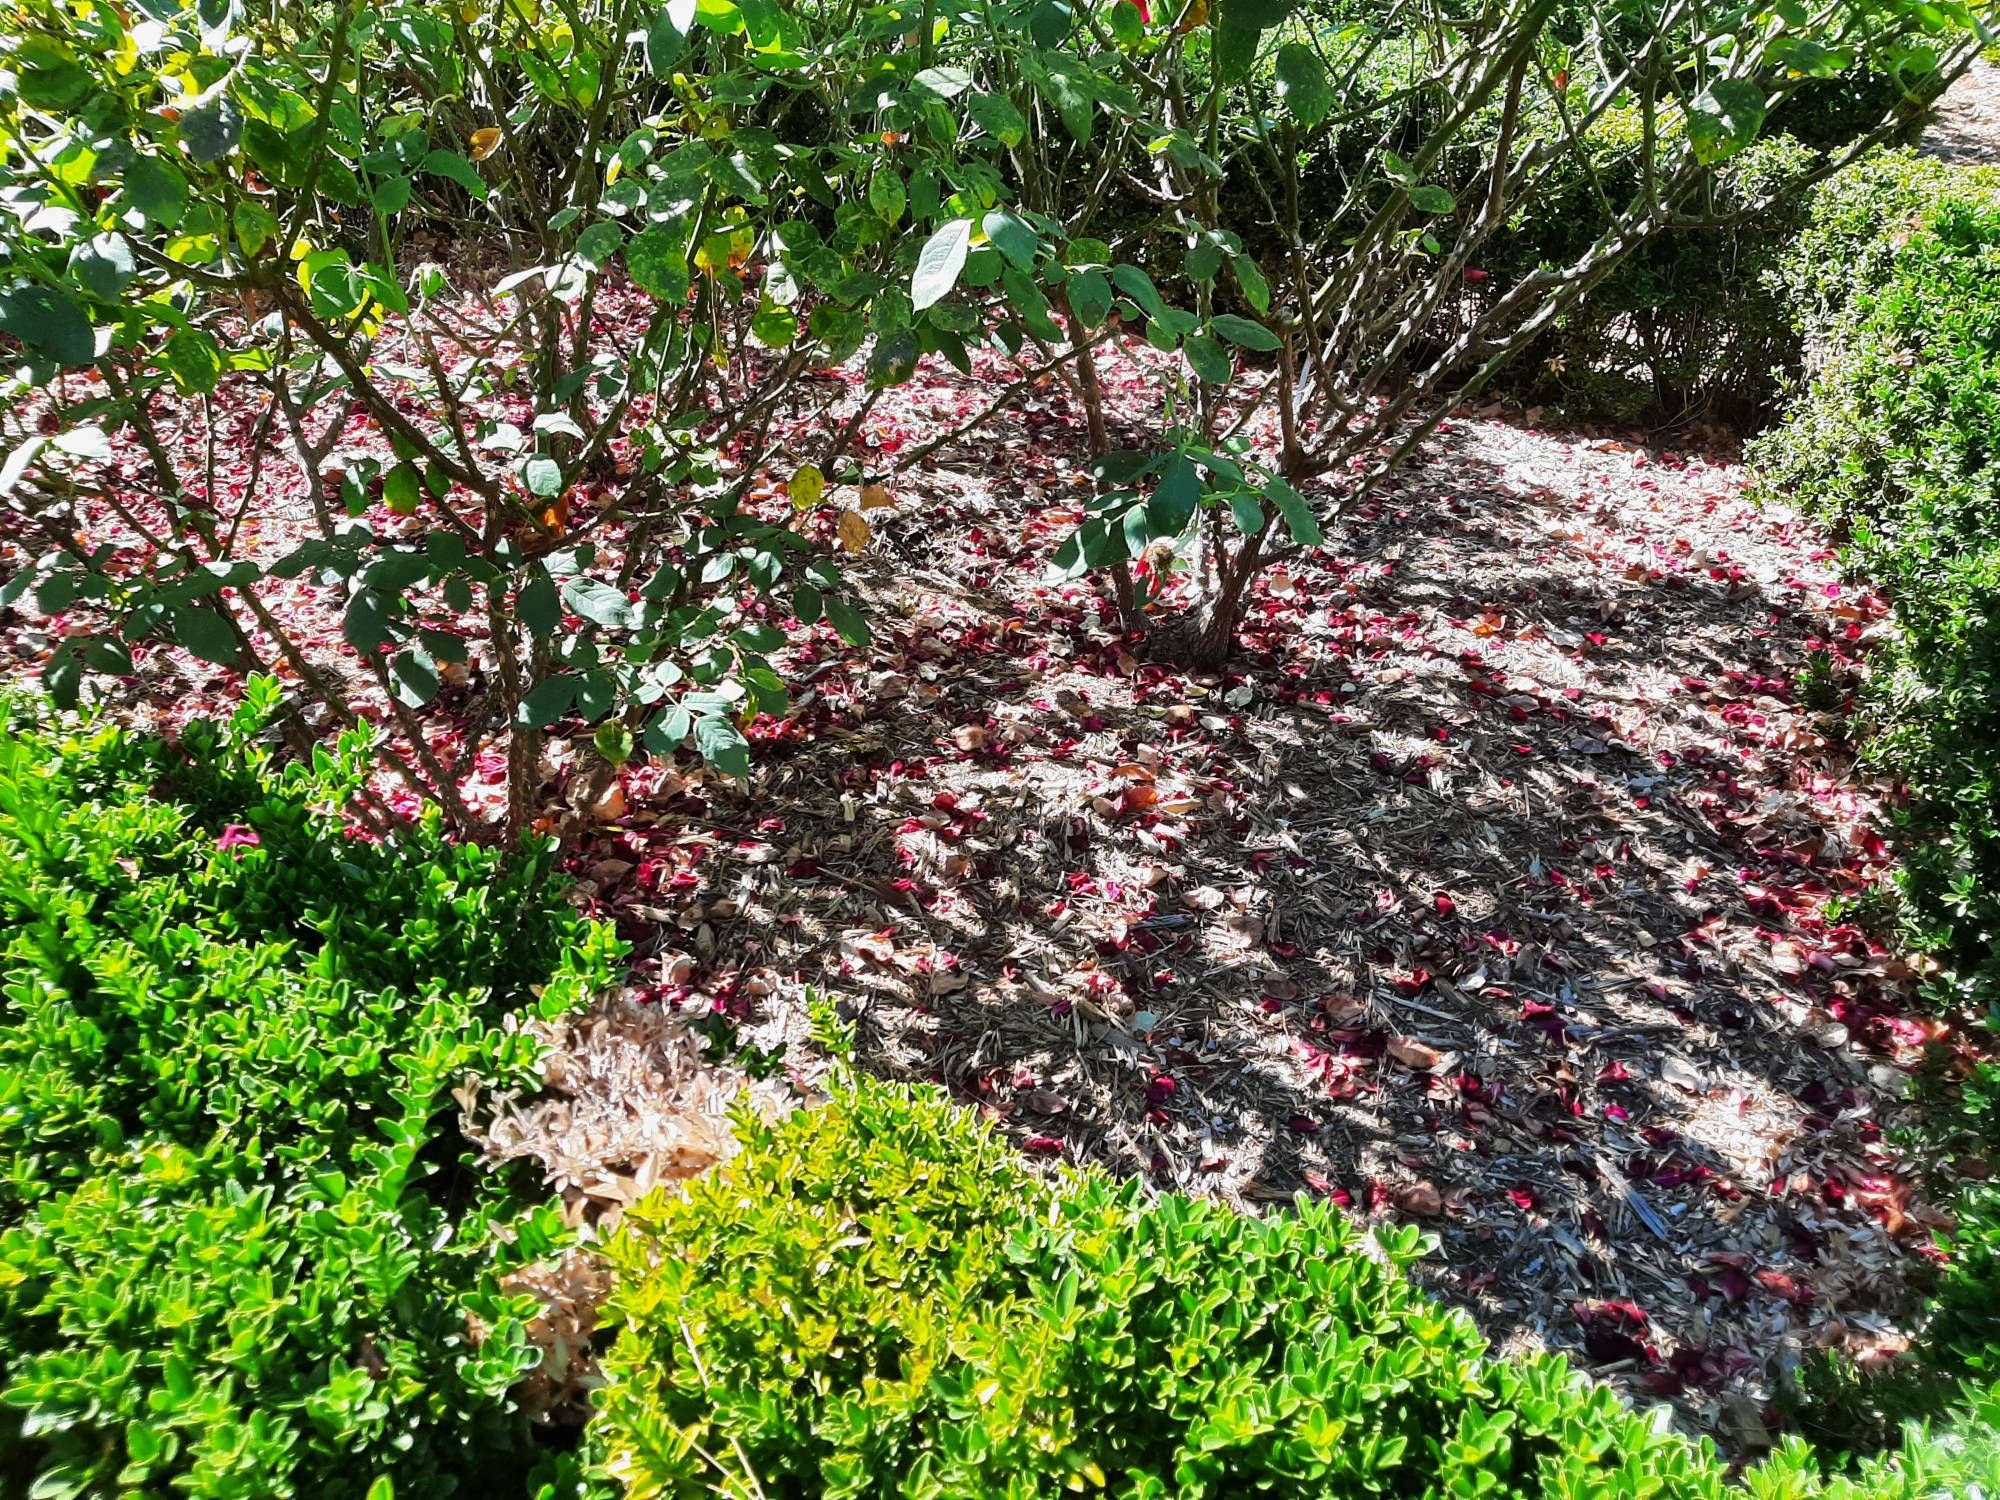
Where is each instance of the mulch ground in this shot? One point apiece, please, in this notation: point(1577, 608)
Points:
point(1502, 883)
point(1965, 126)
point(1497, 885)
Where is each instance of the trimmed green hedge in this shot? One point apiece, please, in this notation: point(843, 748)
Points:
point(239, 1251)
point(1894, 440)
point(878, 1299)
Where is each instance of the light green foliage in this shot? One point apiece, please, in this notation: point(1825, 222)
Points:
point(239, 1252)
point(877, 1299)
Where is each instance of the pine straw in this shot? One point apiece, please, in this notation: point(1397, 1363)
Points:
point(629, 1105)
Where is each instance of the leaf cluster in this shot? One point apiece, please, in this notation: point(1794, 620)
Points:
point(877, 1299)
point(240, 1249)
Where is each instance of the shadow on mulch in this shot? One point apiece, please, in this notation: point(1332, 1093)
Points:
point(1488, 887)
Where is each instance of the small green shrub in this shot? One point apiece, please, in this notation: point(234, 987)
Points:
point(238, 1252)
point(1896, 442)
point(877, 1299)
point(1854, 228)
point(1688, 322)
point(1963, 1337)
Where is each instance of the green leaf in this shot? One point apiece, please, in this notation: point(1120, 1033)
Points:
point(194, 359)
point(1090, 297)
point(887, 195)
point(1209, 359)
point(946, 83)
point(997, 116)
point(1011, 235)
point(47, 74)
point(157, 189)
point(1243, 332)
point(366, 623)
point(392, 197)
point(82, 442)
point(49, 323)
point(402, 488)
point(600, 242)
point(103, 266)
point(211, 127)
point(774, 327)
point(1137, 285)
point(598, 602)
point(657, 259)
point(548, 700)
point(848, 621)
point(1238, 26)
point(940, 263)
point(1065, 85)
point(1432, 200)
point(894, 358)
point(1176, 497)
point(1725, 118)
point(666, 37)
point(538, 605)
point(1298, 515)
point(106, 653)
point(255, 226)
point(62, 676)
point(1255, 288)
point(543, 477)
point(614, 742)
point(1303, 85)
point(207, 634)
point(414, 677)
point(1204, 259)
point(451, 165)
point(722, 745)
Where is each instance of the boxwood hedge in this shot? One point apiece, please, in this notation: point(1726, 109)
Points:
point(878, 1299)
point(240, 1253)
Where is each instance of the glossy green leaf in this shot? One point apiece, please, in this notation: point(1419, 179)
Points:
point(940, 263)
point(1725, 118)
point(49, 323)
point(1244, 333)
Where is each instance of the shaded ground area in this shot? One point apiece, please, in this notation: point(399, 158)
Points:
point(1498, 886)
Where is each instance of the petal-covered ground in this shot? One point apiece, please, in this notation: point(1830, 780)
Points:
point(1498, 885)
point(1505, 882)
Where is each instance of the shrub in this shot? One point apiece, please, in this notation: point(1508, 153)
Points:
point(1896, 441)
point(579, 495)
point(1688, 322)
point(875, 1298)
point(238, 1250)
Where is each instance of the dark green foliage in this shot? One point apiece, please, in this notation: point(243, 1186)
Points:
point(1685, 325)
point(1895, 440)
point(238, 1252)
point(877, 1299)
point(1964, 1335)
point(1853, 230)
